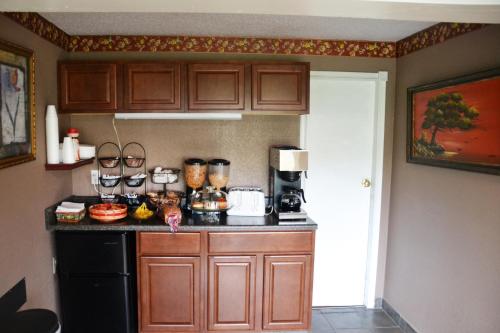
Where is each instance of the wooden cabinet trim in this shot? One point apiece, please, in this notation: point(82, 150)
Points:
point(276, 303)
point(92, 99)
point(216, 264)
point(163, 306)
point(165, 243)
point(261, 242)
point(300, 99)
point(151, 103)
point(289, 268)
point(214, 99)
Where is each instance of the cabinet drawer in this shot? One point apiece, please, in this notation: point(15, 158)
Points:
point(158, 243)
point(268, 242)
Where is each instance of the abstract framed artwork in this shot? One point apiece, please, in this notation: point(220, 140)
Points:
point(17, 106)
point(456, 123)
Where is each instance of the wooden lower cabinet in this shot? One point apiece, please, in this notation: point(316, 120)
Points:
point(205, 282)
point(287, 292)
point(231, 293)
point(170, 294)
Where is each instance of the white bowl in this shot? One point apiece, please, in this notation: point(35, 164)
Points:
point(87, 151)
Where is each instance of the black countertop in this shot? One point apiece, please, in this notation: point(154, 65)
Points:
point(189, 223)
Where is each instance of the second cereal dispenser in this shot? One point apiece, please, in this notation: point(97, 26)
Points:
point(218, 173)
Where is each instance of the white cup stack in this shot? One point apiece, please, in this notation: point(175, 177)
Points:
point(52, 135)
point(68, 150)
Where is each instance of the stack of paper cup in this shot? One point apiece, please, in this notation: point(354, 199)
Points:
point(52, 135)
point(68, 150)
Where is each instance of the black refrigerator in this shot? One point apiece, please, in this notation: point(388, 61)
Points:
point(97, 290)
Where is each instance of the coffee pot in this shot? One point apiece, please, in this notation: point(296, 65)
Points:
point(291, 199)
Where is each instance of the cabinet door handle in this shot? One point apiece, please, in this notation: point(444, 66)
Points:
point(366, 182)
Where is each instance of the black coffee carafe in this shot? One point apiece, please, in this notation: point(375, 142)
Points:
point(291, 199)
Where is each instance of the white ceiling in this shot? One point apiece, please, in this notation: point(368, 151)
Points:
point(470, 11)
point(227, 25)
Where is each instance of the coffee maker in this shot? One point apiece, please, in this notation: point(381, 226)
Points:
point(287, 164)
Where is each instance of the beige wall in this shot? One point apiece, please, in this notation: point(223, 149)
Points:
point(27, 189)
point(168, 143)
point(443, 265)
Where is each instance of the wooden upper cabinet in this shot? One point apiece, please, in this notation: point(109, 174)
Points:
point(231, 293)
point(89, 87)
point(169, 294)
point(287, 292)
point(216, 86)
point(280, 87)
point(152, 86)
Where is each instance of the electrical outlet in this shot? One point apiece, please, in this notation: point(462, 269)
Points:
point(94, 177)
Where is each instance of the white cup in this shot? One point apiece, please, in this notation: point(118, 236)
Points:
point(68, 150)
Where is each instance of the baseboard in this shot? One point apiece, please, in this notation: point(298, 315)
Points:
point(402, 323)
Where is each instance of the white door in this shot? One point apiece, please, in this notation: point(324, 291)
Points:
point(340, 134)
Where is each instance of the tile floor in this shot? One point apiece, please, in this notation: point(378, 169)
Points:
point(352, 320)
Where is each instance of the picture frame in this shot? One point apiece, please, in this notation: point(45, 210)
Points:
point(455, 123)
point(17, 105)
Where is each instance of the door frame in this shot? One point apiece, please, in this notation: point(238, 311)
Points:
point(380, 179)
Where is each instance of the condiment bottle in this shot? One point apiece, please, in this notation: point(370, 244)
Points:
point(74, 134)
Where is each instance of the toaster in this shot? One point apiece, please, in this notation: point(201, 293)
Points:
point(246, 201)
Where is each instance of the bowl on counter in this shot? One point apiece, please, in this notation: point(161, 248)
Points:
point(109, 162)
point(107, 213)
point(156, 199)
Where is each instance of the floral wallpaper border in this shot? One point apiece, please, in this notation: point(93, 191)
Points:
point(435, 34)
point(41, 26)
point(232, 45)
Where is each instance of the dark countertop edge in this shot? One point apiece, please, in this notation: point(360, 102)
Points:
point(52, 225)
point(166, 228)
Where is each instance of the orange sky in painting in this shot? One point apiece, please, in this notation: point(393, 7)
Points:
point(481, 144)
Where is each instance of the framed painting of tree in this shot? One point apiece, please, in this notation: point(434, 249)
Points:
point(456, 123)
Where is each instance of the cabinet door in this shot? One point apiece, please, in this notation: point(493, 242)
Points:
point(153, 86)
point(169, 294)
point(88, 87)
point(280, 87)
point(231, 293)
point(216, 86)
point(287, 292)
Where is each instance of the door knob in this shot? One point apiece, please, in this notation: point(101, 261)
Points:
point(366, 182)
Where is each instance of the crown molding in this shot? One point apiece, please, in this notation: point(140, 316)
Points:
point(42, 27)
point(433, 35)
point(232, 45)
